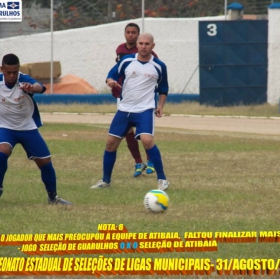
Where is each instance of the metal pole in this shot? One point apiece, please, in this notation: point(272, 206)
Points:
point(109, 12)
point(143, 14)
point(51, 82)
point(226, 9)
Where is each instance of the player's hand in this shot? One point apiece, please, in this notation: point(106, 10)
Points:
point(158, 112)
point(113, 84)
point(27, 87)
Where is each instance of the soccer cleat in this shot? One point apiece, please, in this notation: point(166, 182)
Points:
point(163, 184)
point(150, 167)
point(139, 168)
point(100, 185)
point(1, 191)
point(58, 200)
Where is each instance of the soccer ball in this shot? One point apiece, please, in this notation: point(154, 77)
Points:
point(156, 201)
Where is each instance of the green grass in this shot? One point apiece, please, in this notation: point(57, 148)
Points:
point(218, 183)
point(189, 108)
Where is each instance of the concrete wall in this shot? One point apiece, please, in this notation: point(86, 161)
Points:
point(90, 52)
point(273, 86)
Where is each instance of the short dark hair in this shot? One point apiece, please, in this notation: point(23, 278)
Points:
point(132, 24)
point(10, 59)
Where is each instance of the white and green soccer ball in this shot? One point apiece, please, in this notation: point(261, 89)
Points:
point(156, 201)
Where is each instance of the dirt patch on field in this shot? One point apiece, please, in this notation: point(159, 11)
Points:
point(265, 126)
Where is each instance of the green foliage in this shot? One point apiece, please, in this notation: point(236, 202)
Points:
point(41, 3)
point(73, 14)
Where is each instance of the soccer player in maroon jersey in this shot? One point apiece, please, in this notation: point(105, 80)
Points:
point(131, 33)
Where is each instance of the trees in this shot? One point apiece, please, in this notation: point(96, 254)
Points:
point(80, 13)
point(41, 3)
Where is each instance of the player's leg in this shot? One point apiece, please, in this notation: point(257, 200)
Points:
point(109, 159)
point(132, 143)
point(37, 150)
point(118, 129)
point(150, 169)
point(5, 150)
point(145, 131)
point(48, 177)
point(154, 154)
point(110, 155)
point(7, 142)
point(133, 147)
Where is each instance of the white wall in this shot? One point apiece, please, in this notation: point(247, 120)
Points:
point(273, 82)
point(90, 52)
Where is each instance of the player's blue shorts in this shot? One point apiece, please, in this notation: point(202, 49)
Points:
point(31, 140)
point(123, 121)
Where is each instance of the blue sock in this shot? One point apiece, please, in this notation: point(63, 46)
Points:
point(3, 167)
point(49, 179)
point(109, 159)
point(155, 157)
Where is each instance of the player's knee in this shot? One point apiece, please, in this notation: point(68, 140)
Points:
point(148, 142)
point(111, 146)
point(42, 161)
point(5, 149)
point(112, 143)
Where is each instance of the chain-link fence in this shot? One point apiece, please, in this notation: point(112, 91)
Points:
point(86, 33)
point(69, 14)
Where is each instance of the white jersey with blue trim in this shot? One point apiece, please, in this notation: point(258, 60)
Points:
point(141, 82)
point(17, 108)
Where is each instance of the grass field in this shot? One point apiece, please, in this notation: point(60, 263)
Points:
point(219, 182)
point(191, 108)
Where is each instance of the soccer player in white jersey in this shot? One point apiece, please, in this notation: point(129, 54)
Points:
point(19, 122)
point(143, 77)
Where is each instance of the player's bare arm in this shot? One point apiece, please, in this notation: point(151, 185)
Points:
point(159, 109)
point(113, 84)
point(27, 87)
